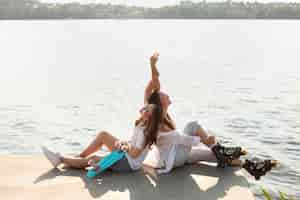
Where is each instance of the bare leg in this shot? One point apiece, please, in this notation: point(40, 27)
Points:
point(236, 163)
point(201, 132)
point(102, 138)
point(193, 128)
point(79, 163)
point(205, 138)
point(210, 140)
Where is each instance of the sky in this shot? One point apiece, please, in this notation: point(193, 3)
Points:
point(152, 3)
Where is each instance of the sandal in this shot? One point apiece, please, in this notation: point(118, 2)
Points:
point(225, 155)
point(258, 168)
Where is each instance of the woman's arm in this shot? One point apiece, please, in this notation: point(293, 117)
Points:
point(148, 91)
point(134, 152)
point(154, 83)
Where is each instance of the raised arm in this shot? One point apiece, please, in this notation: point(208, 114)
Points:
point(154, 83)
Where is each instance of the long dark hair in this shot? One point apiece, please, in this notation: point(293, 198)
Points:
point(156, 119)
point(152, 125)
point(155, 99)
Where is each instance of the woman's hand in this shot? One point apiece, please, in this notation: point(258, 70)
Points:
point(118, 144)
point(121, 145)
point(154, 58)
point(125, 147)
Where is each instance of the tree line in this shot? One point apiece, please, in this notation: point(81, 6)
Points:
point(34, 9)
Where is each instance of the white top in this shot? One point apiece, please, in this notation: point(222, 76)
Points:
point(137, 140)
point(167, 145)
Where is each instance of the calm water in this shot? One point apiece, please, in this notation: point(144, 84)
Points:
point(63, 81)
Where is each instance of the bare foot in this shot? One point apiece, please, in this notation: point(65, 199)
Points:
point(210, 140)
point(243, 152)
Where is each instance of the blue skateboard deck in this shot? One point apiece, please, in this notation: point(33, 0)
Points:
point(105, 163)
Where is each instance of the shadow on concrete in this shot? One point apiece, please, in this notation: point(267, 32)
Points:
point(181, 183)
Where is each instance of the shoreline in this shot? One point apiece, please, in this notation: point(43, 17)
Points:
point(154, 19)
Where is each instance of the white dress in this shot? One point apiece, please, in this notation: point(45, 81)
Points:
point(168, 144)
point(175, 148)
point(137, 140)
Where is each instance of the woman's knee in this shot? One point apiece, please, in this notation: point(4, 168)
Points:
point(191, 128)
point(102, 134)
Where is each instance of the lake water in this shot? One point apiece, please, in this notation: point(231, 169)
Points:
point(61, 82)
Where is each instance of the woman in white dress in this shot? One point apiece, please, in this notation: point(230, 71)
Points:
point(175, 146)
point(144, 135)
